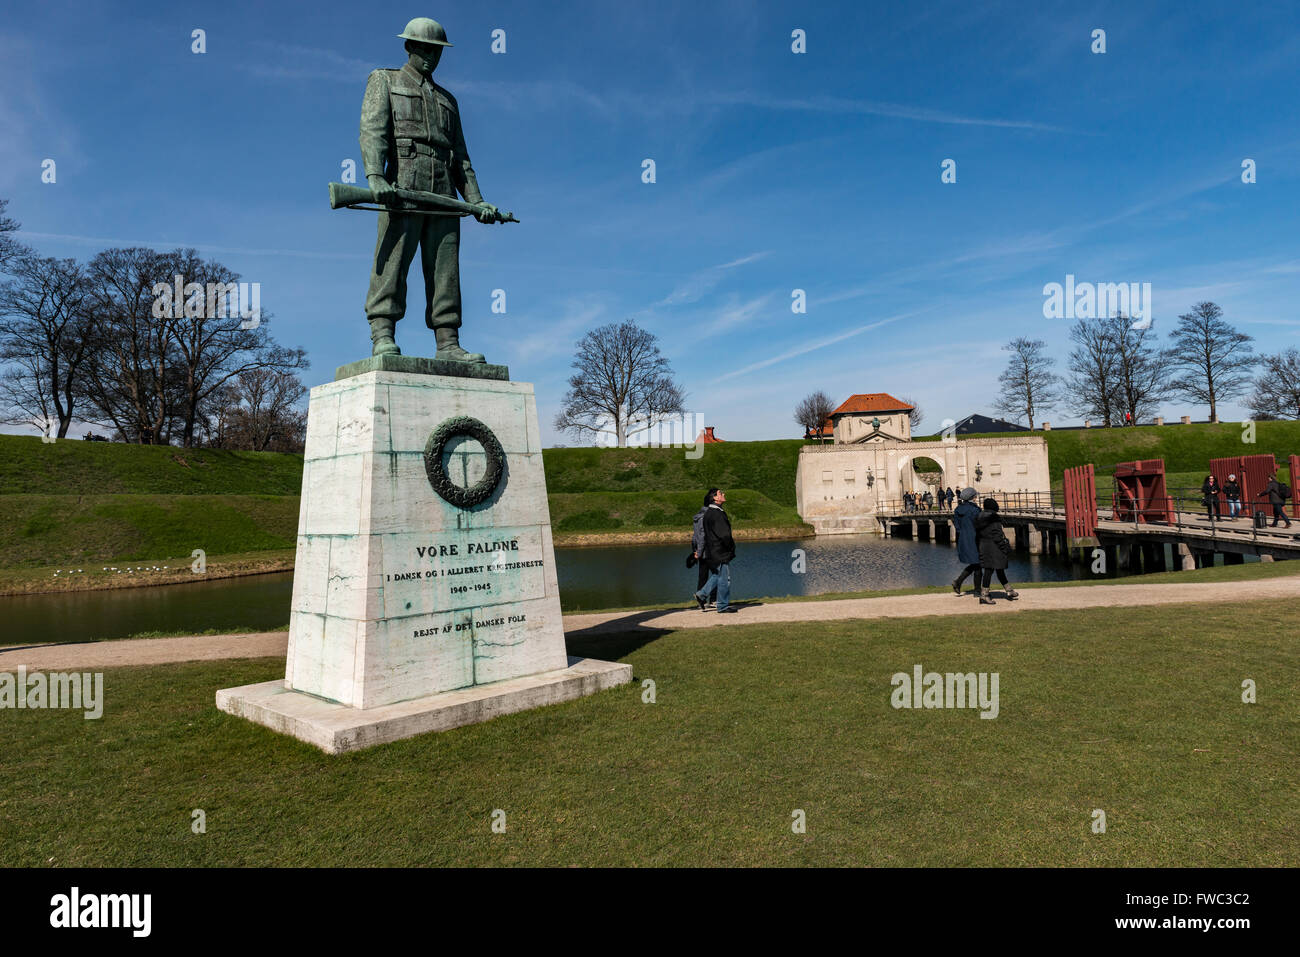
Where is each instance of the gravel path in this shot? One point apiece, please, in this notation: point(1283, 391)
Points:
point(157, 651)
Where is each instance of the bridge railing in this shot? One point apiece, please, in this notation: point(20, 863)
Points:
point(1191, 513)
point(1186, 505)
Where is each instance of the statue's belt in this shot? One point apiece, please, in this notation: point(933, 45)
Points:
point(409, 147)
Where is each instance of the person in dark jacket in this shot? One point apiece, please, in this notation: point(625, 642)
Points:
point(697, 550)
point(994, 551)
point(1210, 498)
point(968, 548)
point(951, 495)
point(1277, 495)
point(1232, 491)
point(719, 552)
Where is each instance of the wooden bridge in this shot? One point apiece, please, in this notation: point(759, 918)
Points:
point(1036, 524)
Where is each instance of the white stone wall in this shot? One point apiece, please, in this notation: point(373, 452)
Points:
point(831, 480)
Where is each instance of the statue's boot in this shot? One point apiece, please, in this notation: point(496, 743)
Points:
point(381, 336)
point(448, 339)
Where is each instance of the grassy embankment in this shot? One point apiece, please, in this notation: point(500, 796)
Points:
point(1133, 711)
point(1186, 449)
point(86, 505)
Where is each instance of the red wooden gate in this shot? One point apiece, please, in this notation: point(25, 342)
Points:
point(1080, 506)
point(1140, 493)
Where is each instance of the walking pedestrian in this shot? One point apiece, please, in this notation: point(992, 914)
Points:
point(719, 552)
point(994, 551)
point(968, 548)
point(1232, 490)
point(1277, 495)
point(697, 552)
point(951, 496)
point(1210, 498)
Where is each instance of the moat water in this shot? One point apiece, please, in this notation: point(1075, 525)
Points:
point(590, 578)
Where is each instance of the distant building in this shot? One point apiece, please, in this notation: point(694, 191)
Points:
point(976, 424)
point(872, 417)
point(707, 436)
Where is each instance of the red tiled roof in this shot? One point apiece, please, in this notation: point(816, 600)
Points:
point(872, 402)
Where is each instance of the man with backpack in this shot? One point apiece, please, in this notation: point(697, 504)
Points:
point(719, 552)
point(697, 554)
point(1277, 495)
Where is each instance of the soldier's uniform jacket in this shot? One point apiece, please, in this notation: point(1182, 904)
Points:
point(411, 135)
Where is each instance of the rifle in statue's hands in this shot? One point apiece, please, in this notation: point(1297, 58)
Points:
point(414, 201)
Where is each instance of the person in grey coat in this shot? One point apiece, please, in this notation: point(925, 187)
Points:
point(995, 551)
point(968, 549)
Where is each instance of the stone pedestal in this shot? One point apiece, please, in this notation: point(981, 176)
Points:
point(425, 565)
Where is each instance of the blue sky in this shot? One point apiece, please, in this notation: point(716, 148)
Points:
point(775, 171)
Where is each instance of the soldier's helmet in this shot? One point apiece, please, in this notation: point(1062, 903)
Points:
point(424, 30)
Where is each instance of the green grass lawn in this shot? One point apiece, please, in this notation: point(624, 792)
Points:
point(767, 467)
point(74, 467)
point(1136, 712)
point(56, 530)
point(661, 511)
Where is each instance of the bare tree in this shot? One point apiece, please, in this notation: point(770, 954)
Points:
point(46, 332)
point(1277, 389)
point(1210, 359)
point(916, 414)
point(258, 410)
point(10, 248)
point(622, 386)
point(1029, 385)
point(214, 344)
point(164, 354)
point(132, 381)
point(1142, 372)
point(1092, 386)
point(813, 411)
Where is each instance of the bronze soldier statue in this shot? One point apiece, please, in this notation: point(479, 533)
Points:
point(411, 139)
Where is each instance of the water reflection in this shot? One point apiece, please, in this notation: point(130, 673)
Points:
point(606, 577)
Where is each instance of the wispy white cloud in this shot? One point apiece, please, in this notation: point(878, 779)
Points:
point(699, 284)
point(179, 243)
point(814, 346)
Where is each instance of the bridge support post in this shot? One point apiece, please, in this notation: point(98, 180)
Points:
point(1123, 557)
point(1011, 536)
point(1265, 558)
point(915, 534)
point(1035, 538)
point(1187, 561)
point(930, 532)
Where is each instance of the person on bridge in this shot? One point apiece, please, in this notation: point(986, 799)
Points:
point(995, 551)
point(1210, 498)
point(1277, 495)
point(968, 547)
point(1232, 490)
